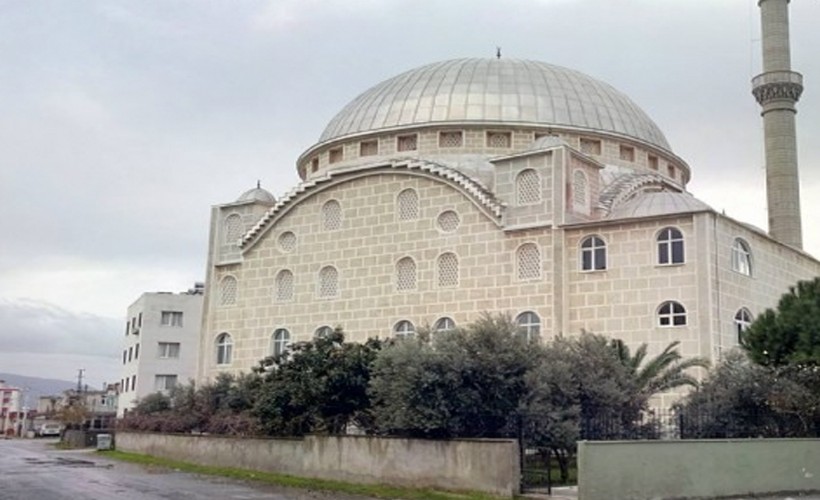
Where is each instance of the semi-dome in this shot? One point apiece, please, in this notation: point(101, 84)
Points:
point(510, 91)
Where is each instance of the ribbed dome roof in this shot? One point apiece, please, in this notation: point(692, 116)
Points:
point(257, 194)
point(495, 90)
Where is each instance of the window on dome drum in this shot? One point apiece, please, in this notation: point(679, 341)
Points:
point(406, 274)
point(627, 153)
point(314, 164)
point(171, 318)
point(407, 205)
point(331, 215)
point(224, 349)
point(743, 319)
point(322, 332)
point(328, 282)
point(227, 291)
point(741, 257)
point(593, 254)
point(283, 286)
point(447, 270)
point(528, 256)
point(451, 139)
point(444, 324)
point(652, 161)
point(280, 340)
point(499, 139)
point(335, 155)
point(671, 170)
point(369, 148)
point(404, 329)
point(287, 242)
point(590, 146)
point(168, 350)
point(233, 229)
point(528, 187)
point(670, 246)
point(164, 382)
point(407, 142)
point(530, 324)
point(448, 221)
point(671, 313)
point(137, 351)
point(579, 189)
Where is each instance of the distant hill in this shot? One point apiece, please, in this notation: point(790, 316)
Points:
point(36, 386)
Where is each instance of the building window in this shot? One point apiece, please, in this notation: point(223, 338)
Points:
point(499, 139)
point(227, 291)
point(287, 241)
point(671, 313)
point(369, 148)
point(335, 155)
point(133, 382)
point(283, 286)
point(741, 257)
point(590, 146)
point(404, 329)
point(224, 349)
point(407, 142)
point(528, 257)
point(530, 324)
point(407, 205)
point(280, 340)
point(593, 254)
point(450, 139)
point(139, 320)
point(528, 187)
point(652, 161)
point(137, 351)
point(743, 319)
point(164, 382)
point(444, 324)
point(579, 190)
point(130, 353)
point(234, 229)
point(627, 153)
point(171, 318)
point(322, 332)
point(168, 350)
point(406, 274)
point(331, 215)
point(670, 246)
point(671, 170)
point(447, 270)
point(448, 221)
point(328, 282)
point(124, 356)
point(314, 164)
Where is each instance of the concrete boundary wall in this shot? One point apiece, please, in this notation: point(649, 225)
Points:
point(637, 470)
point(487, 465)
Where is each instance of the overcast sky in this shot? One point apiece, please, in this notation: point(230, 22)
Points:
point(121, 123)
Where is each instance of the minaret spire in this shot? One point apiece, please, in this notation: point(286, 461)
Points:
point(777, 90)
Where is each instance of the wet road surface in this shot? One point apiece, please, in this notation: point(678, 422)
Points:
point(34, 470)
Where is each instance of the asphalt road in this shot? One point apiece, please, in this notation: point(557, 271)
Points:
point(35, 470)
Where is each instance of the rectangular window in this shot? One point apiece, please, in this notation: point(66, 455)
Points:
point(314, 164)
point(169, 350)
point(335, 155)
point(127, 328)
point(671, 170)
point(652, 161)
point(590, 146)
point(137, 351)
point(407, 142)
point(133, 382)
point(130, 353)
point(164, 382)
point(450, 139)
point(369, 148)
point(627, 153)
point(499, 139)
point(124, 356)
point(139, 320)
point(171, 318)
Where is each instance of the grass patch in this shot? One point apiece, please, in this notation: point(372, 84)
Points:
point(370, 490)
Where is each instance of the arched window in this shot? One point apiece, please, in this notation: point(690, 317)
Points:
point(529, 261)
point(404, 329)
point(407, 205)
point(528, 187)
point(283, 284)
point(741, 257)
point(234, 229)
point(406, 274)
point(322, 332)
point(287, 241)
point(227, 291)
point(224, 349)
point(670, 246)
point(671, 313)
point(593, 254)
point(579, 190)
point(448, 221)
point(331, 215)
point(328, 282)
point(447, 270)
point(444, 324)
point(743, 319)
point(280, 340)
point(530, 324)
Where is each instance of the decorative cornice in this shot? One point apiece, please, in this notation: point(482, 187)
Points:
point(777, 85)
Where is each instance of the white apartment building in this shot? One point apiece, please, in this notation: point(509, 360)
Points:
point(161, 344)
point(11, 408)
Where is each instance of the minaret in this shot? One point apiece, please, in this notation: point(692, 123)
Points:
point(777, 90)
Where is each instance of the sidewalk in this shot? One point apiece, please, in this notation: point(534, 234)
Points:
point(558, 493)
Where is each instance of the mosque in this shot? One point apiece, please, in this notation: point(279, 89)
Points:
point(505, 186)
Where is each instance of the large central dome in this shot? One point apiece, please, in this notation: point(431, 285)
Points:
point(510, 91)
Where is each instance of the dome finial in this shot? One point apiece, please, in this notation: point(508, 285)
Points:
point(497, 52)
point(258, 184)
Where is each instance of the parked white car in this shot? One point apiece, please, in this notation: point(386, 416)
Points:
point(50, 430)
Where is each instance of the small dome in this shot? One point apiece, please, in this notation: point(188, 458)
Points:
point(509, 91)
point(659, 203)
point(257, 194)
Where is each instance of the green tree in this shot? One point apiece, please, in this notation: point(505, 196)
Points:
point(789, 335)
